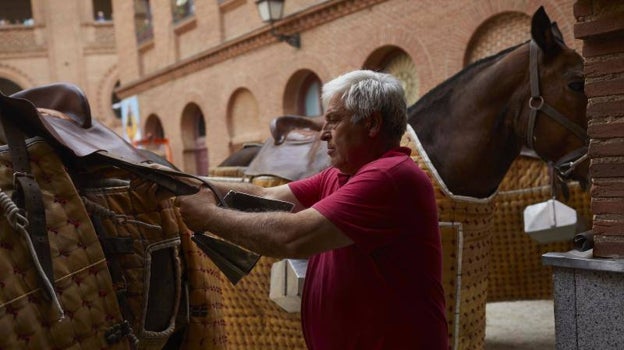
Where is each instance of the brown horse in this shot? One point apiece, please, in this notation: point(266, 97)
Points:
point(473, 125)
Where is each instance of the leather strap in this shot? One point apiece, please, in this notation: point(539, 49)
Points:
point(170, 179)
point(28, 196)
point(536, 103)
point(114, 267)
point(535, 93)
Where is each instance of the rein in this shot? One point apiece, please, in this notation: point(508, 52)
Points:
point(566, 164)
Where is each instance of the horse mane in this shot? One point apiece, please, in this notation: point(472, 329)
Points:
point(436, 97)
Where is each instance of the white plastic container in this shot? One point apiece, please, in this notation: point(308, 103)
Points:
point(550, 221)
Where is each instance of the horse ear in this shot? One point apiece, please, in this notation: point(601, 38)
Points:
point(557, 32)
point(543, 32)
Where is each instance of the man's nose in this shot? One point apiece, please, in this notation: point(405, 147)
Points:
point(325, 133)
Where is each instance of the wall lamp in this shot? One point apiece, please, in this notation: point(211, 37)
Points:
point(271, 11)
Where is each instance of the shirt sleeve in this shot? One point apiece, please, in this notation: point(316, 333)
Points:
point(308, 190)
point(365, 209)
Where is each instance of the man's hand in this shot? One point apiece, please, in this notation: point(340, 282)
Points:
point(197, 208)
point(149, 190)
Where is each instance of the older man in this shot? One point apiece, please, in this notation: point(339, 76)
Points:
point(368, 225)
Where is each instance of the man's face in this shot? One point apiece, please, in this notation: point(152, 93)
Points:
point(346, 142)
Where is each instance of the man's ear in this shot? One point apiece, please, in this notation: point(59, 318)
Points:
point(374, 124)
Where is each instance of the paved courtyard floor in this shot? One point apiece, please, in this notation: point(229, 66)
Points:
point(520, 325)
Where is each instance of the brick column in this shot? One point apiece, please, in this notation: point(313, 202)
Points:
point(125, 38)
point(600, 24)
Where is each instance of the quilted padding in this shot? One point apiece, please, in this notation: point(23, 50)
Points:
point(81, 278)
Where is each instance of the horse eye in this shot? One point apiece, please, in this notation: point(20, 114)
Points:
point(577, 86)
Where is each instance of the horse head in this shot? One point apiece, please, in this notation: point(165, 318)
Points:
point(555, 121)
point(474, 124)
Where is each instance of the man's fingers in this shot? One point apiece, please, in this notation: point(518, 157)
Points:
point(196, 208)
point(150, 189)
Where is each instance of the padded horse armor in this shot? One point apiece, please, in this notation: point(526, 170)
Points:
point(84, 229)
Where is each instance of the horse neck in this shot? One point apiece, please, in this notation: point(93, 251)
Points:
point(468, 128)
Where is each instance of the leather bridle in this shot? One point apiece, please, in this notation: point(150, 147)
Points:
point(566, 164)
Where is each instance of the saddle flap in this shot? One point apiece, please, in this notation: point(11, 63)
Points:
point(63, 97)
point(73, 133)
point(72, 130)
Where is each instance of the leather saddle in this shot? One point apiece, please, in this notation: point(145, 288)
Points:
point(295, 152)
point(60, 114)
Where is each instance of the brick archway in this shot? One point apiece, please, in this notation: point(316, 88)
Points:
point(243, 120)
point(498, 33)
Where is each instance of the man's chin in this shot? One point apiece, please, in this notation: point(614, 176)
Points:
point(334, 162)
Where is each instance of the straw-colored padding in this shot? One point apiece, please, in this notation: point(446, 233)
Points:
point(268, 181)
point(516, 270)
point(241, 316)
point(227, 171)
point(465, 228)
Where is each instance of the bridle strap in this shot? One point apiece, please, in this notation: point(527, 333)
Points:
point(535, 94)
point(570, 161)
point(537, 103)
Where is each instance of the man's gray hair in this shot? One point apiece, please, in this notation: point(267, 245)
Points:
point(364, 92)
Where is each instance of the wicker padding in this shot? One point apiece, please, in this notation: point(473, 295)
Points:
point(268, 181)
point(242, 317)
point(207, 325)
point(465, 255)
point(223, 316)
point(227, 171)
point(252, 320)
point(82, 281)
point(516, 270)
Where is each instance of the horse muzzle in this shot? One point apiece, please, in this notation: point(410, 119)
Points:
point(572, 166)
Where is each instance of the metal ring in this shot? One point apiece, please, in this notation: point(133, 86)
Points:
point(540, 102)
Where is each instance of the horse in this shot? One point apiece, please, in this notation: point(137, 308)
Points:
point(527, 99)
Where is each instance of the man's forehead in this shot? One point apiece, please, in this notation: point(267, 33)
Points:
point(335, 105)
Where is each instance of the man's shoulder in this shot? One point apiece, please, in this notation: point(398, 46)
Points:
point(395, 161)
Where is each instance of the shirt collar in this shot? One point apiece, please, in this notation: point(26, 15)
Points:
point(343, 178)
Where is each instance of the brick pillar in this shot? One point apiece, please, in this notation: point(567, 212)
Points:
point(125, 39)
point(600, 24)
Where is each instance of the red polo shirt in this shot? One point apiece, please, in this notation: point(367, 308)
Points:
point(385, 290)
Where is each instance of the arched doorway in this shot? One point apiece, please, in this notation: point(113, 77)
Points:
point(154, 139)
point(302, 95)
point(195, 153)
point(393, 60)
point(243, 120)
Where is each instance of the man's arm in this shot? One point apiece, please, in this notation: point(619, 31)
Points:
point(275, 234)
point(281, 192)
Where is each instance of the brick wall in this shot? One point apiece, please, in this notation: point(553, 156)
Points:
point(336, 36)
point(600, 24)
